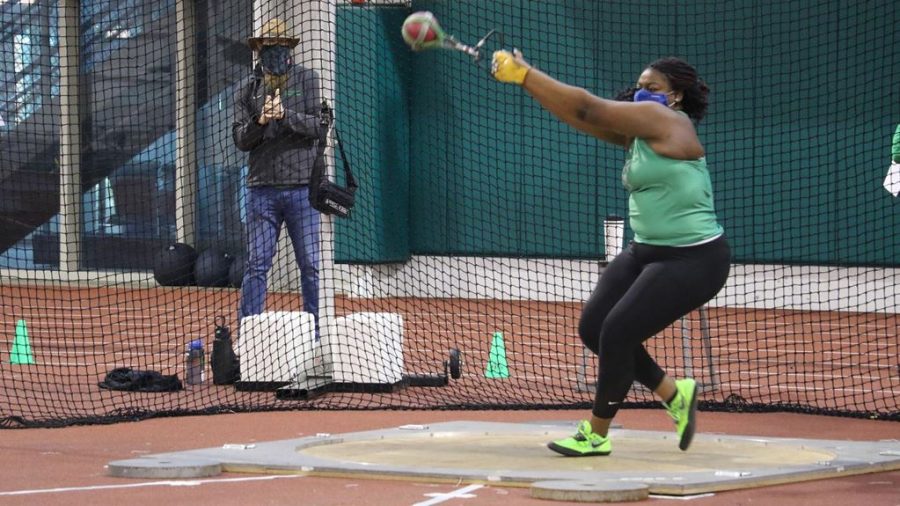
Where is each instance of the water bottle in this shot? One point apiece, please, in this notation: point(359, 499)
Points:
point(195, 363)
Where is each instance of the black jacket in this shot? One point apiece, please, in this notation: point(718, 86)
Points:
point(282, 152)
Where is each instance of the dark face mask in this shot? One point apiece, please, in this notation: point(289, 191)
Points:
point(276, 60)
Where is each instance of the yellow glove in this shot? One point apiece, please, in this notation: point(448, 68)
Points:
point(509, 67)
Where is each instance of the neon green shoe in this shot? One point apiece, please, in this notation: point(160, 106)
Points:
point(583, 444)
point(684, 410)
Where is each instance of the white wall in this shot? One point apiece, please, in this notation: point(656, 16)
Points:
point(809, 288)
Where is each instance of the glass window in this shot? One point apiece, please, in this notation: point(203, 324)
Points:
point(29, 122)
point(128, 151)
point(224, 60)
point(127, 89)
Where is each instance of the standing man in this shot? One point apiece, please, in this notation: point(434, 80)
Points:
point(278, 121)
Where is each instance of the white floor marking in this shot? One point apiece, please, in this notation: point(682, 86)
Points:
point(168, 483)
point(680, 497)
point(462, 493)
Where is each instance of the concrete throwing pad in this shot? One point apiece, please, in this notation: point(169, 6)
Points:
point(590, 491)
point(161, 468)
point(516, 454)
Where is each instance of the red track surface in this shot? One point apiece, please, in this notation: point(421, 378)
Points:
point(66, 466)
point(824, 360)
point(821, 360)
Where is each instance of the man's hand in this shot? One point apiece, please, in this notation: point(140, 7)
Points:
point(509, 67)
point(265, 115)
point(272, 109)
point(277, 108)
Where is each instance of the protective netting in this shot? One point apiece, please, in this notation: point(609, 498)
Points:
point(480, 222)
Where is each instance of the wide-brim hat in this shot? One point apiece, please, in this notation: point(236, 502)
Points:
point(273, 33)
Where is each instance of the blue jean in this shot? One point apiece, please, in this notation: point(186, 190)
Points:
point(267, 209)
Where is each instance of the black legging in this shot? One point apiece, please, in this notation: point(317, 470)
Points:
point(641, 292)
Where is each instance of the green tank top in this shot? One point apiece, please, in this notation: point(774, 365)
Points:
point(670, 201)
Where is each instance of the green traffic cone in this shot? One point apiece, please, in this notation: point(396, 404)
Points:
point(21, 348)
point(497, 367)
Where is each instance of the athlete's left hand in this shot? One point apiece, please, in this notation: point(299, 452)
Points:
point(509, 67)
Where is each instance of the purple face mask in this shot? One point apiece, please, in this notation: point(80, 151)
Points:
point(642, 95)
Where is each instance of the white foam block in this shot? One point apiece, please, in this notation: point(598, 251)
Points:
point(275, 345)
point(368, 348)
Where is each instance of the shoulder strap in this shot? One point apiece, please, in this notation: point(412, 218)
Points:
point(351, 181)
point(326, 112)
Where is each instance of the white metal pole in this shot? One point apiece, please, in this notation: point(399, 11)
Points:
point(185, 121)
point(70, 212)
point(318, 27)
